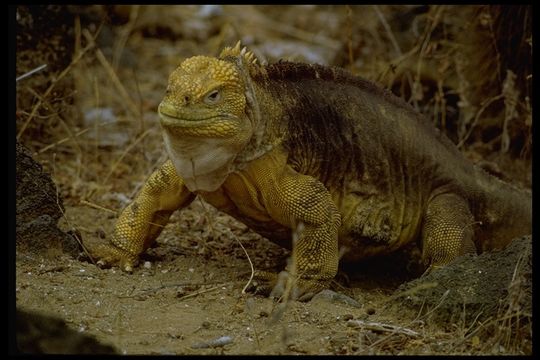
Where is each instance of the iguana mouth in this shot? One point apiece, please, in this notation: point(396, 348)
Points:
point(172, 116)
point(205, 124)
point(175, 121)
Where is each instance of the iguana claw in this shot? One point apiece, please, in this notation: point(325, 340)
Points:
point(278, 286)
point(110, 255)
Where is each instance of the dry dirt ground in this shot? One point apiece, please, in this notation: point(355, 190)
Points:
point(186, 295)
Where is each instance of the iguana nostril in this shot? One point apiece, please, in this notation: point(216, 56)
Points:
point(186, 99)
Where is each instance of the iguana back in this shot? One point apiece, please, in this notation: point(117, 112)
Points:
point(359, 139)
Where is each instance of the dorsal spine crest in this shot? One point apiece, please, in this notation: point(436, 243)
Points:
point(237, 51)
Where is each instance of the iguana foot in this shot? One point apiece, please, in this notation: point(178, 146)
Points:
point(284, 285)
point(109, 255)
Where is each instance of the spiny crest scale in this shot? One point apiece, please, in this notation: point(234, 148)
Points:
point(236, 51)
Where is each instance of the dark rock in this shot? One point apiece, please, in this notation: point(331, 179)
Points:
point(40, 334)
point(474, 286)
point(38, 208)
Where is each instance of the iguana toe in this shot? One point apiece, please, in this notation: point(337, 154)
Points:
point(109, 255)
point(263, 282)
point(284, 285)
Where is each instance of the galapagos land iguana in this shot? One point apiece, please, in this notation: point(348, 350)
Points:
point(285, 144)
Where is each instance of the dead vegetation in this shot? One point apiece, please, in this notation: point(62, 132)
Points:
point(89, 116)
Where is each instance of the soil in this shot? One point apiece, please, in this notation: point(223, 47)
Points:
point(186, 296)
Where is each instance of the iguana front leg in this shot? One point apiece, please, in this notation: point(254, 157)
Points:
point(447, 232)
point(143, 220)
point(290, 199)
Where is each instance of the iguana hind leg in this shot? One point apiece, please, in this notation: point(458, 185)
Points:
point(447, 231)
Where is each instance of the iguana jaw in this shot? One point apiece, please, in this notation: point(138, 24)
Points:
point(201, 145)
point(199, 124)
point(203, 164)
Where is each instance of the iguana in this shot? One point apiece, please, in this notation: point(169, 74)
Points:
point(285, 145)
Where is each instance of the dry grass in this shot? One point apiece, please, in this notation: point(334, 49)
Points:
point(427, 66)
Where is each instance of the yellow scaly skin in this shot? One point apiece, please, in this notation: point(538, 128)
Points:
point(267, 189)
point(224, 136)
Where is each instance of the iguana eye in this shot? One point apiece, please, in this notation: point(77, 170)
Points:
point(213, 97)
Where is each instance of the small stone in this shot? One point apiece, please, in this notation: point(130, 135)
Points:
point(370, 311)
point(339, 340)
point(334, 297)
point(147, 264)
point(214, 343)
point(165, 351)
point(347, 317)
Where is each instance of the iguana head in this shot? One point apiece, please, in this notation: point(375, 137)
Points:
point(203, 116)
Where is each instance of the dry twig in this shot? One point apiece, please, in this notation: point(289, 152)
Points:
point(249, 259)
point(388, 30)
point(33, 71)
point(128, 101)
point(376, 326)
point(126, 151)
point(53, 84)
point(265, 21)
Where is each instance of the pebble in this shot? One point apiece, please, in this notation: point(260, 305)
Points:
point(334, 297)
point(219, 342)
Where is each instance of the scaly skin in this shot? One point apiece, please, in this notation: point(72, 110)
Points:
point(286, 144)
point(142, 221)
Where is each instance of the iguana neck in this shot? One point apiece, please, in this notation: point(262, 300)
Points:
point(264, 112)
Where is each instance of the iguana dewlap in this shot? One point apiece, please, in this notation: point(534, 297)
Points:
point(285, 144)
